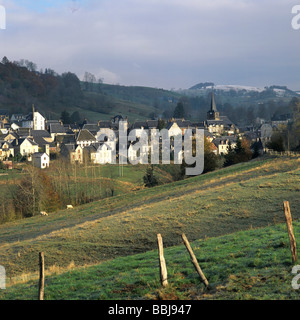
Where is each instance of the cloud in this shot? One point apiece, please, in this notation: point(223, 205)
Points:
point(163, 43)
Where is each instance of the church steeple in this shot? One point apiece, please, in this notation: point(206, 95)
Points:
point(213, 106)
point(213, 113)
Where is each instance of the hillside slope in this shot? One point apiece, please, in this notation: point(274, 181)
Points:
point(252, 264)
point(21, 86)
point(240, 197)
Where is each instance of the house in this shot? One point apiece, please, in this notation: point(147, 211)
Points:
point(104, 154)
point(73, 152)
point(93, 128)
point(26, 147)
point(14, 126)
point(85, 138)
point(34, 120)
point(17, 117)
point(223, 144)
point(4, 116)
point(173, 129)
point(56, 129)
point(6, 150)
point(11, 136)
point(38, 121)
point(41, 160)
point(4, 119)
point(108, 136)
point(77, 154)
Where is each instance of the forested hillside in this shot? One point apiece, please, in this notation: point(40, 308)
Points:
point(21, 86)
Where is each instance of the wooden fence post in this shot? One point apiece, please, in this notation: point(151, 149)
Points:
point(194, 260)
point(162, 262)
point(42, 276)
point(288, 218)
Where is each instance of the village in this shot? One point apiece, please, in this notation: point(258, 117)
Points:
point(34, 138)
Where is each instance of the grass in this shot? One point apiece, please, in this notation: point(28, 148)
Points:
point(252, 264)
point(242, 197)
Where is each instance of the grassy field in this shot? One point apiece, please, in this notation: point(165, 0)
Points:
point(252, 264)
point(242, 197)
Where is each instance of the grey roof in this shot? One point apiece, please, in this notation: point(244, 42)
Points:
point(85, 135)
point(139, 124)
point(152, 123)
point(67, 138)
point(39, 154)
point(18, 142)
point(40, 141)
point(56, 128)
point(28, 117)
point(92, 127)
point(24, 131)
point(2, 142)
point(104, 124)
point(40, 134)
point(218, 141)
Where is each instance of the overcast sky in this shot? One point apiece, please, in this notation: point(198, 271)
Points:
point(158, 43)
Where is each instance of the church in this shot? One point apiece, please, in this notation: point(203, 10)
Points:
point(216, 124)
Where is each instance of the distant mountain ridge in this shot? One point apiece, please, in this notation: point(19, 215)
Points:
point(276, 89)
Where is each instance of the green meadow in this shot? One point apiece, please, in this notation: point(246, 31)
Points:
point(107, 249)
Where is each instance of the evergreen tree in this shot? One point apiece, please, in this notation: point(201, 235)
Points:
point(179, 111)
point(65, 117)
point(149, 179)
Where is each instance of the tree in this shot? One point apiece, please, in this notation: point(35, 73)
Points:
point(229, 156)
point(75, 117)
point(210, 158)
point(65, 117)
point(240, 153)
point(149, 178)
point(276, 143)
point(88, 80)
point(179, 111)
point(26, 198)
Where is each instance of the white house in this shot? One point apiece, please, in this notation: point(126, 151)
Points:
point(223, 144)
point(25, 146)
point(38, 121)
point(104, 154)
point(40, 160)
point(34, 120)
point(85, 138)
point(174, 129)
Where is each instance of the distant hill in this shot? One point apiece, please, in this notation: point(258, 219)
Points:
point(240, 94)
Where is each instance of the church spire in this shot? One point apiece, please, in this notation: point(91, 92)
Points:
point(213, 113)
point(213, 106)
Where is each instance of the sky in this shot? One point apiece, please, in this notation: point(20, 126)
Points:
point(168, 44)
